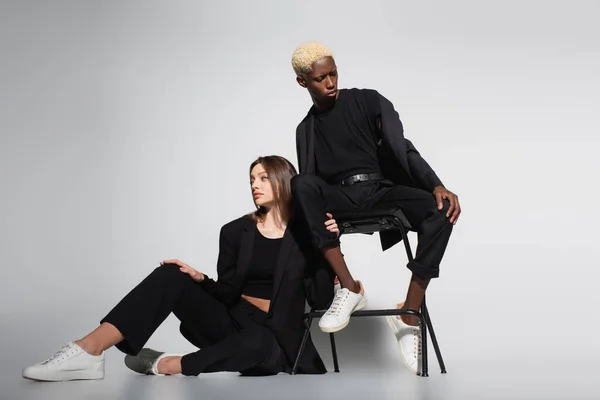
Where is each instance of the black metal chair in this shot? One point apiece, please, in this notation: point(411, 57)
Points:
point(370, 221)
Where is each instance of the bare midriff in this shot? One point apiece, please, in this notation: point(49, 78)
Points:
point(261, 304)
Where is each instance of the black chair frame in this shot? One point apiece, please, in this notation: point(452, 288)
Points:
point(371, 221)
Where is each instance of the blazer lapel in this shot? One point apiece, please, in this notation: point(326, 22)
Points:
point(244, 257)
point(287, 246)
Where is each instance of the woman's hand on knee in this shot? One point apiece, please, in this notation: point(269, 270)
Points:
point(186, 269)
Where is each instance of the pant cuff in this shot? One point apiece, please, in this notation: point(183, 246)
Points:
point(190, 365)
point(422, 271)
point(124, 345)
point(326, 242)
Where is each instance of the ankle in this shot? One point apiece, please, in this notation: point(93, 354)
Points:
point(169, 365)
point(349, 284)
point(359, 288)
point(410, 320)
point(89, 348)
point(407, 319)
point(354, 287)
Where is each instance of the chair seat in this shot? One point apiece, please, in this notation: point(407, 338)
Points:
point(371, 220)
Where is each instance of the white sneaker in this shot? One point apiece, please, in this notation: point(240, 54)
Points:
point(69, 363)
point(344, 304)
point(409, 343)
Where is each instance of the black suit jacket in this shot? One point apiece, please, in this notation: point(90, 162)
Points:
point(398, 158)
point(301, 274)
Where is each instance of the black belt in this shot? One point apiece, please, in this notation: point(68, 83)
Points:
point(351, 180)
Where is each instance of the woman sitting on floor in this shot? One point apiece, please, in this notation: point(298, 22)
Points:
point(249, 320)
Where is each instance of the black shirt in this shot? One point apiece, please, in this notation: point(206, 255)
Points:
point(346, 137)
point(259, 281)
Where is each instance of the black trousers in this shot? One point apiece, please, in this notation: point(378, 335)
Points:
point(313, 197)
point(234, 339)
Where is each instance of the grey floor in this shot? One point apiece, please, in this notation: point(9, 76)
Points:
point(368, 372)
point(478, 380)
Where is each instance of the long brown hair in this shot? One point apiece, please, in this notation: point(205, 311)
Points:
point(280, 172)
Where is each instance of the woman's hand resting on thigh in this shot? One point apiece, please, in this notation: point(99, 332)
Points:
point(331, 225)
point(186, 269)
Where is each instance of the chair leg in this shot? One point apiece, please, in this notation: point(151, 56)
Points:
point(422, 319)
point(427, 320)
point(409, 254)
point(308, 323)
point(424, 357)
point(334, 353)
point(436, 346)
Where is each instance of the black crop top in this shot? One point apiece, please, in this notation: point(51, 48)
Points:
point(259, 281)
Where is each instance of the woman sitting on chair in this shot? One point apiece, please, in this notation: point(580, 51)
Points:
point(248, 321)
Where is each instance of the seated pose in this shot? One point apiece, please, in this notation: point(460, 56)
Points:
point(352, 155)
point(248, 321)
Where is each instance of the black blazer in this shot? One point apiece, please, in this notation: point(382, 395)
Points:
point(398, 158)
point(301, 274)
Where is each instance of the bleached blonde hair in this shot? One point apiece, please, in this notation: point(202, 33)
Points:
point(306, 54)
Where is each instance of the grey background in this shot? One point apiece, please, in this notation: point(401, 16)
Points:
point(127, 129)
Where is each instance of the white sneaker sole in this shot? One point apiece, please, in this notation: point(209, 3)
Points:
point(390, 321)
point(362, 304)
point(59, 376)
